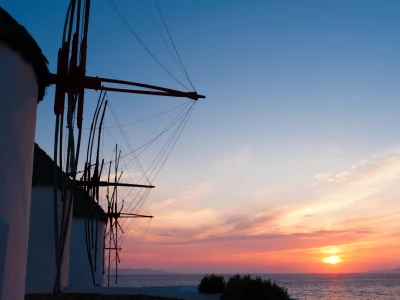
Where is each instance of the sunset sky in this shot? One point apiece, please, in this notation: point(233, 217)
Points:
point(291, 164)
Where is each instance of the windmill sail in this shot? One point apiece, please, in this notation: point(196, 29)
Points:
point(71, 82)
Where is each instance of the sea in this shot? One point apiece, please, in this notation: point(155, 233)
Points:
point(363, 286)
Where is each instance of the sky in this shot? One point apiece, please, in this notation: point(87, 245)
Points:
point(290, 164)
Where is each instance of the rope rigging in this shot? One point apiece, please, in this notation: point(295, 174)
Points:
point(128, 144)
point(162, 36)
point(160, 155)
point(71, 82)
point(119, 14)
point(183, 117)
point(91, 240)
point(146, 193)
point(178, 61)
point(173, 43)
point(142, 196)
point(144, 119)
point(144, 147)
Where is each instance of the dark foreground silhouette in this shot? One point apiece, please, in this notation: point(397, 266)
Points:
point(245, 288)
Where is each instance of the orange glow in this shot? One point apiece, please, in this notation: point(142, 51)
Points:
point(318, 234)
point(333, 260)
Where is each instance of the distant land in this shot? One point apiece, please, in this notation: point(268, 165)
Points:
point(389, 271)
point(141, 272)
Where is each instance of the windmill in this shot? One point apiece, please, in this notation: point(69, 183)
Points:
point(114, 213)
point(91, 182)
point(71, 82)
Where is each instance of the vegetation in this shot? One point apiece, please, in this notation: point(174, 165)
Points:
point(212, 284)
point(253, 289)
point(242, 288)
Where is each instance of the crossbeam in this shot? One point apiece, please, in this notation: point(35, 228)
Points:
point(96, 83)
point(126, 215)
point(105, 183)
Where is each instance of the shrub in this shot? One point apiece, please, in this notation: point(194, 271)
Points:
point(246, 288)
point(212, 284)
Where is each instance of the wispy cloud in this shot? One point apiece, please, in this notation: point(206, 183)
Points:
point(369, 180)
point(164, 203)
point(189, 196)
point(198, 191)
point(164, 234)
point(347, 187)
point(344, 214)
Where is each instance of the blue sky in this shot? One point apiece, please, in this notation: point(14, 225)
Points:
point(294, 89)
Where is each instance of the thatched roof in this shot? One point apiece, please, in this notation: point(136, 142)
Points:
point(43, 176)
point(43, 169)
point(17, 38)
point(84, 205)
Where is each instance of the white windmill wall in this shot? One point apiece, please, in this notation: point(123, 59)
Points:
point(79, 273)
point(19, 95)
point(100, 254)
point(41, 254)
point(3, 251)
point(65, 263)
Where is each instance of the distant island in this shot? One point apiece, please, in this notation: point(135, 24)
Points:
point(389, 271)
point(141, 272)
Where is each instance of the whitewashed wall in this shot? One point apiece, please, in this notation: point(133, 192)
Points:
point(41, 255)
point(19, 93)
point(65, 263)
point(3, 251)
point(79, 273)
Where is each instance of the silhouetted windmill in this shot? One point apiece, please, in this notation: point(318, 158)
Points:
point(71, 80)
point(113, 215)
point(91, 182)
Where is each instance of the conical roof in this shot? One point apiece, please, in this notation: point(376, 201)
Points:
point(16, 37)
point(43, 176)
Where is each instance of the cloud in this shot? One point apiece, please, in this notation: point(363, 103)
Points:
point(351, 209)
point(197, 191)
point(323, 176)
point(385, 168)
point(271, 242)
point(203, 223)
point(253, 224)
point(164, 203)
point(186, 199)
point(194, 220)
point(370, 180)
point(317, 214)
point(242, 156)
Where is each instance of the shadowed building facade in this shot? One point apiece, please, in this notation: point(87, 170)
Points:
point(75, 267)
point(23, 79)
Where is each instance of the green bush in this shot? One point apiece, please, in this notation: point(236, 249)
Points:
point(212, 284)
point(246, 288)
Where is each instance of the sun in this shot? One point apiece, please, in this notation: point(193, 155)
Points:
point(333, 260)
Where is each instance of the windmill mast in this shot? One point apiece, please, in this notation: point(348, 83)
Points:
point(71, 80)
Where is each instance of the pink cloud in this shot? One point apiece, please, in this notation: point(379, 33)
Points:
point(346, 212)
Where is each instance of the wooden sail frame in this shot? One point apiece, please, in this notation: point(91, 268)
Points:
point(71, 80)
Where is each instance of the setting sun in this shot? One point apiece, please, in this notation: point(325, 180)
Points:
point(332, 260)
